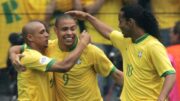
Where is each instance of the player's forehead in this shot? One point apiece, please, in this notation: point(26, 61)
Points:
point(67, 23)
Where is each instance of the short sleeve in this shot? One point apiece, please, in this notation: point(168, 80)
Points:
point(160, 60)
point(118, 40)
point(22, 48)
point(102, 65)
point(36, 61)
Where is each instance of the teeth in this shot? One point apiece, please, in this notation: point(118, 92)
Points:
point(69, 39)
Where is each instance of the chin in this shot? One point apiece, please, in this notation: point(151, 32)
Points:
point(69, 44)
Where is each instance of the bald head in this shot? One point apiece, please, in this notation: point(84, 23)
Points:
point(30, 28)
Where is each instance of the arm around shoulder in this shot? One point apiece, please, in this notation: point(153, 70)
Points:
point(70, 60)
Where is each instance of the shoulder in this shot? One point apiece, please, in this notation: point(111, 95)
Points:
point(30, 54)
point(92, 48)
point(52, 42)
point(153, 43)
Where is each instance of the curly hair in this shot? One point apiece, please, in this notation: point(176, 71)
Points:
point(143, 18)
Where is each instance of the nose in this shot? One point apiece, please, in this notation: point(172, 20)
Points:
point(46, 34)
point(69, 32)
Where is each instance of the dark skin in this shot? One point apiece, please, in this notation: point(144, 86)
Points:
point(129, 29)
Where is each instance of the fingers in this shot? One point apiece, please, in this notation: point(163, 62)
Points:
point(20, 56)
point(77, 14)
point(17, 64)
point(85, 38)
point(71, 12)
point(84, 32)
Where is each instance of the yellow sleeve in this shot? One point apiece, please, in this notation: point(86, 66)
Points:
point(118, 39)
point(160, 60)
point(37, 61)
point(102, 65)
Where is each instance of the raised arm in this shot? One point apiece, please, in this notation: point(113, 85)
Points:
point(99, 26)
point(49, 10)
point(71, 59)
point(77, 5)
point(94, 8)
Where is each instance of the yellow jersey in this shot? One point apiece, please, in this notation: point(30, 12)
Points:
point(166, 12)
point(145, 63)
point(14, 14)
point(11, 21)
point(35, 84)
point(108, 13)
point(34, 9)
point(80, 83)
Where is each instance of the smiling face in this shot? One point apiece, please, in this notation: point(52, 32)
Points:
point(124, 26)
point(66, 32)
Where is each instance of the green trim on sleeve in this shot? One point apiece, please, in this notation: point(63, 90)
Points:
point(168, 73)
point(49, 65)
point(112, 70)
point(22, 48)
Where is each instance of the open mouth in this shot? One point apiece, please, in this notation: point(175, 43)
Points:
point(69, 38)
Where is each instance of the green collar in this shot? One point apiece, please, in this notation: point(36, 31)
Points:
point(141, 38)
point(28, 47)
point(74, 45)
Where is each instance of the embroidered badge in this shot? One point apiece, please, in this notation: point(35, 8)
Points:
point(139, 54)
point(44, 60)
point(78, 61)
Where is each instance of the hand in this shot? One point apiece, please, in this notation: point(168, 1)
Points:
point(161, 98)
point(17, 64)
point(78, 14)
point(85, 38)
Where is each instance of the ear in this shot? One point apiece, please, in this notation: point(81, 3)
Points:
point(29, 37)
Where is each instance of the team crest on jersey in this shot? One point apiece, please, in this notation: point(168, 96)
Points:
point(78, 61)
point(44, 60)
point(140, 54)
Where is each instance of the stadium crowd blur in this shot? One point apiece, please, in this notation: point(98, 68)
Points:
point(15, 13)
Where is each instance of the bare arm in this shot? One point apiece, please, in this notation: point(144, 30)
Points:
point(14, 55)
point(118, 76)
point(100, 26)
point(93, 8)
point(70, 60)
point(49, 10)
point(168, 84)
point(77, 5)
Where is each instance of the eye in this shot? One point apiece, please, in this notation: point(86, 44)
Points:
point(73, 28)
point(64, 29)
point(42, 31)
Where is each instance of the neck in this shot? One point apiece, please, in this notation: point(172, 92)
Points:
point(67, 48)
point(39, 49)
point(137, 34)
